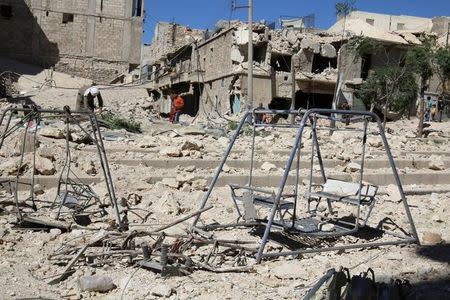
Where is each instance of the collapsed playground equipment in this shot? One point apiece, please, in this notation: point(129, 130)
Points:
point(284, 209)
point(76, 197)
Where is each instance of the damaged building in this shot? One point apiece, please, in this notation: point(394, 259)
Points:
point(94, 39)
point(210, 71)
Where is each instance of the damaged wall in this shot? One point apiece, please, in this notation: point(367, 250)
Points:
point(91, 38)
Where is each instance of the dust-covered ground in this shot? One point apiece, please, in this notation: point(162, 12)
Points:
point(162, 174)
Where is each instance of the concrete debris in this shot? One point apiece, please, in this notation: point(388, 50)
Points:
point(90, 168)
point(162, 290)
point(170, 151)
point(100, 284)
point(436, 163)
point(171, 182)
point(190, 146)
point(328, 50)
point(44, 166)
point(311, 45)
point(353, 167)
point(267, 166)
point(52, 132)
point(431, 238)
point(38, 189)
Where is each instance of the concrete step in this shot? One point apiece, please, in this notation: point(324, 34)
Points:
point(245, 164)
point(284, 153)
point(381, 179)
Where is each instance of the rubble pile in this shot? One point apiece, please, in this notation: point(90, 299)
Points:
point(161, 175)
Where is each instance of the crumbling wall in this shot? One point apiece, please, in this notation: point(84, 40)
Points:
point(168, 38)
point(215, 56)
point(100, 71)
point(48, 32)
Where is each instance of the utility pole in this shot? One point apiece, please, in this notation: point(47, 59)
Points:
point(250, 56)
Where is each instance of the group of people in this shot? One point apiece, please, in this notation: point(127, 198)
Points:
point(434, 109)
point(88, 94)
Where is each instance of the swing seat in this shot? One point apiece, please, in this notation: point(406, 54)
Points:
point(258, 199)
point(344, 191)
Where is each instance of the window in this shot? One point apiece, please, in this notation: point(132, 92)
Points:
point(6, 11)
point(137, 8)
point(370, 21)
point(67, 18)
point(400, 26)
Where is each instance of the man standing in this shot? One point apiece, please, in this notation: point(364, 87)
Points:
point(177, 107)
point(440, 108)
point(86, 99)
point(429, 106)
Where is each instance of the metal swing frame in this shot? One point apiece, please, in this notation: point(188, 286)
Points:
point(66, 185)
point(279, 203)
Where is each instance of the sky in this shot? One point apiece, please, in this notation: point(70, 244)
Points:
point(203, 14)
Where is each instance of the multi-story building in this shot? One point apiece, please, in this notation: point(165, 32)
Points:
point(96, 39)
point(211, 72)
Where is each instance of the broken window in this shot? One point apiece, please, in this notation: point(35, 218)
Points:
point(137, 8)
point(366, 64)
point(321, 63)
point(6, 11)
point(67, 18)
point(370, 21)
point(400, 26)
point(259, 53)
point(281, 62)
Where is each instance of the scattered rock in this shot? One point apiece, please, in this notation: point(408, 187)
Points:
point(170, 151)
point(55, 231)
point(226, 168)
point(38, 190)
point(44, 166)
point(190, 169)
point(90, 168)
point(162, 290)
point(288, 270)
point(199, 184)
point(100, 284)
point(182, 179)
point(431, 238)
point(11, 167)
point(190, 146)
point(352, 167)
point(267, 166)
point(80, 138)
point(52, 132)
point(328, 227)
point(436, 163)
point(170, 182)
point(375, 143)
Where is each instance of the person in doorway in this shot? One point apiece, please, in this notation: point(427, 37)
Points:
point(428, 107)
point(177, 107)
point(259, 116)
point(86, 99)
point(345, 106)
point(440, 108)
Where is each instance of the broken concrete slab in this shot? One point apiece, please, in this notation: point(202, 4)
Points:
point(328, 50)
point(308, 43)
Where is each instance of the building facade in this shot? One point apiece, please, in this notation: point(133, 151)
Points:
point(211, 72)
point(95, 39)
